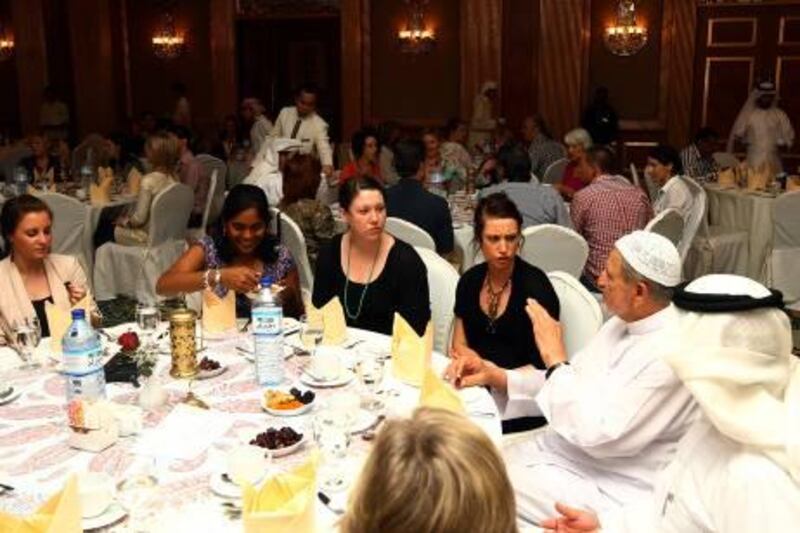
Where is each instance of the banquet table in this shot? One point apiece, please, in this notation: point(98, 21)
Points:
point(36, 460)
point(742, 210)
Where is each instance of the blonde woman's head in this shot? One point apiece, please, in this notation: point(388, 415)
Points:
point(163, 151)
point(435, 472)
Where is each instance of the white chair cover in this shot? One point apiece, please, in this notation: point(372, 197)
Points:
point(442, 282)
point(695, 218)
point(714, 250)
point(211, 164)
point(635, 176)
point(726, 160)
point(72, 233)
point(555, 171)
point(785, 257)
point(534, 179)
point(194, 234)
point(581, 316)
point(551, 247)
point(292, 237)
point(133, 270)
point(669, 224)
point(409, 233)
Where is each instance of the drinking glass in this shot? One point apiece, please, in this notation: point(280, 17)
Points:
point(26, 341)
point(36, 329)
point(147, 319)
point(311, 336)
point(332, 435)
point(370, 372)
point(134, 493)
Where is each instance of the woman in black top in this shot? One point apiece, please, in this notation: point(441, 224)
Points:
point(373, 274)
point(490, 299)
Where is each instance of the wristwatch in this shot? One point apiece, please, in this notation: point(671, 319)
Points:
point(553, 369)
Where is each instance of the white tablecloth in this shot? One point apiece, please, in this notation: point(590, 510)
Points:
point(744, 211)
point(35, 459)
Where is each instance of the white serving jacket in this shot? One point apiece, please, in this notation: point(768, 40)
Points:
point(615, 414)
point(714, 485)
point(313, 133)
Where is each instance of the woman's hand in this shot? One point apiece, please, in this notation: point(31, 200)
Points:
point(572, 521)
point(548, 333)
point(240, 278)
point(76, 293)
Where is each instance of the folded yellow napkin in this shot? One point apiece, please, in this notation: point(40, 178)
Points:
point(411, 354)
point(331, 317)
point(101, 193)
point(60, 514)
point(59, 320)
point(285, 504)
point(219, 314)
point(134, 181)
point(436, 393)
point(793, 183)
point(758, 178)
point(727, 178)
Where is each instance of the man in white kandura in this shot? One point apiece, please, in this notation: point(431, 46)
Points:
point(267, 171)
point(302, 122)
point(764, 128)
point(616, 411)
point(737, 469)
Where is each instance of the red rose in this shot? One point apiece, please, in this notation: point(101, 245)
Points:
point(129, 341)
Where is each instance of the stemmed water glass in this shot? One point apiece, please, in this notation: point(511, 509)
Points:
point(147, 319)
point(332, 435)
point(370, 372)
point(311, 336)
point(26, 339)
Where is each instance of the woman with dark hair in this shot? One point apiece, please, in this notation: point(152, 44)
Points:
point(490, 298)
point(238, 258)
point(301, 179)
point(373, 274)
point(31, 275)
point(366, 147)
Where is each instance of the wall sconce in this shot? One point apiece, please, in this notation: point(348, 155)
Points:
point(6, 44)
point(168, 43)
point(626, 37)
point(416, 38)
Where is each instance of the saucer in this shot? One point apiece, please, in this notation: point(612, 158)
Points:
point(208, 374)
point(114, 513)
point(344, 378)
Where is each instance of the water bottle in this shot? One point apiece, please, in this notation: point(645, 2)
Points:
point(83, 360)
point(20, 181)
point(267, 318)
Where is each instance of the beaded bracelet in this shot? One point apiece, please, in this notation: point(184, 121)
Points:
point(217, 277)
point(205, 278)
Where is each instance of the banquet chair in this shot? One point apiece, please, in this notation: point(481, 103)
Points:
point(714, 249)
point(290, 235)
point(133, 270)
point(555, 171)
point(193, 234)
point(94, 144)
point(694, 220)
point(581, 316)
point(725, 160)
point(71, 230)
point(785, 255)
point(534, 179)
point(210, 164)
point(551, 247)
point(669, 224)
point(409, 233)
point(442, 282)
point(635, 176)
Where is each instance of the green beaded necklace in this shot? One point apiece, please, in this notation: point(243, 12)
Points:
point(354, 316)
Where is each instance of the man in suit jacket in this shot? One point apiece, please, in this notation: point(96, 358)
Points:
point(410, 201)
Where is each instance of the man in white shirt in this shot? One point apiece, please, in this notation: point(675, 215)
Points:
point(737, 470)
point(664, 167)
point(615, 410)
point(252, 111)
point(302, 122)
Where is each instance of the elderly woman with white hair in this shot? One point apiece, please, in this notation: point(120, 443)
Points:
point(578, 142)
point(738, 468)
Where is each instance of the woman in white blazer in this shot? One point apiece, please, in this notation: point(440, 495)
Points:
point(31, 276)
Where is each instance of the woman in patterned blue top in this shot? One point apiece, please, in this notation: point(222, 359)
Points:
point(238, 258)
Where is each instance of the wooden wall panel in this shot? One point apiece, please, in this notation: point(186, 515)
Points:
point(9, 99)
point(223, 54)
point(681, 28)
point(564, 30)
point(352, 66)
point(481, 45)
point(31, 59)
point(727, 82)
point(520, 60)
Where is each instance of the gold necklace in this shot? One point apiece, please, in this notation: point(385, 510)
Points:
point(494, 302)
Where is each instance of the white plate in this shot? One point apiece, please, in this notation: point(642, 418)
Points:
point(222, 488)
point(208, 374)
point(344, 378)
point(11, 397)
point(114, 513)
point(285, 412)
point(364, 421)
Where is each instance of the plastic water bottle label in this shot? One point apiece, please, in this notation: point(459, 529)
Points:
point(267, 320)
point(90, 386)
point(83, 361)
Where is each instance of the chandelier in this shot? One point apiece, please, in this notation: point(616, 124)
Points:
point(6, 45)
point(168, 43)
point(416, 38)
point(626, 37)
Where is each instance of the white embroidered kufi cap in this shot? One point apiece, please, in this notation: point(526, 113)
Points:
point(652, 256)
